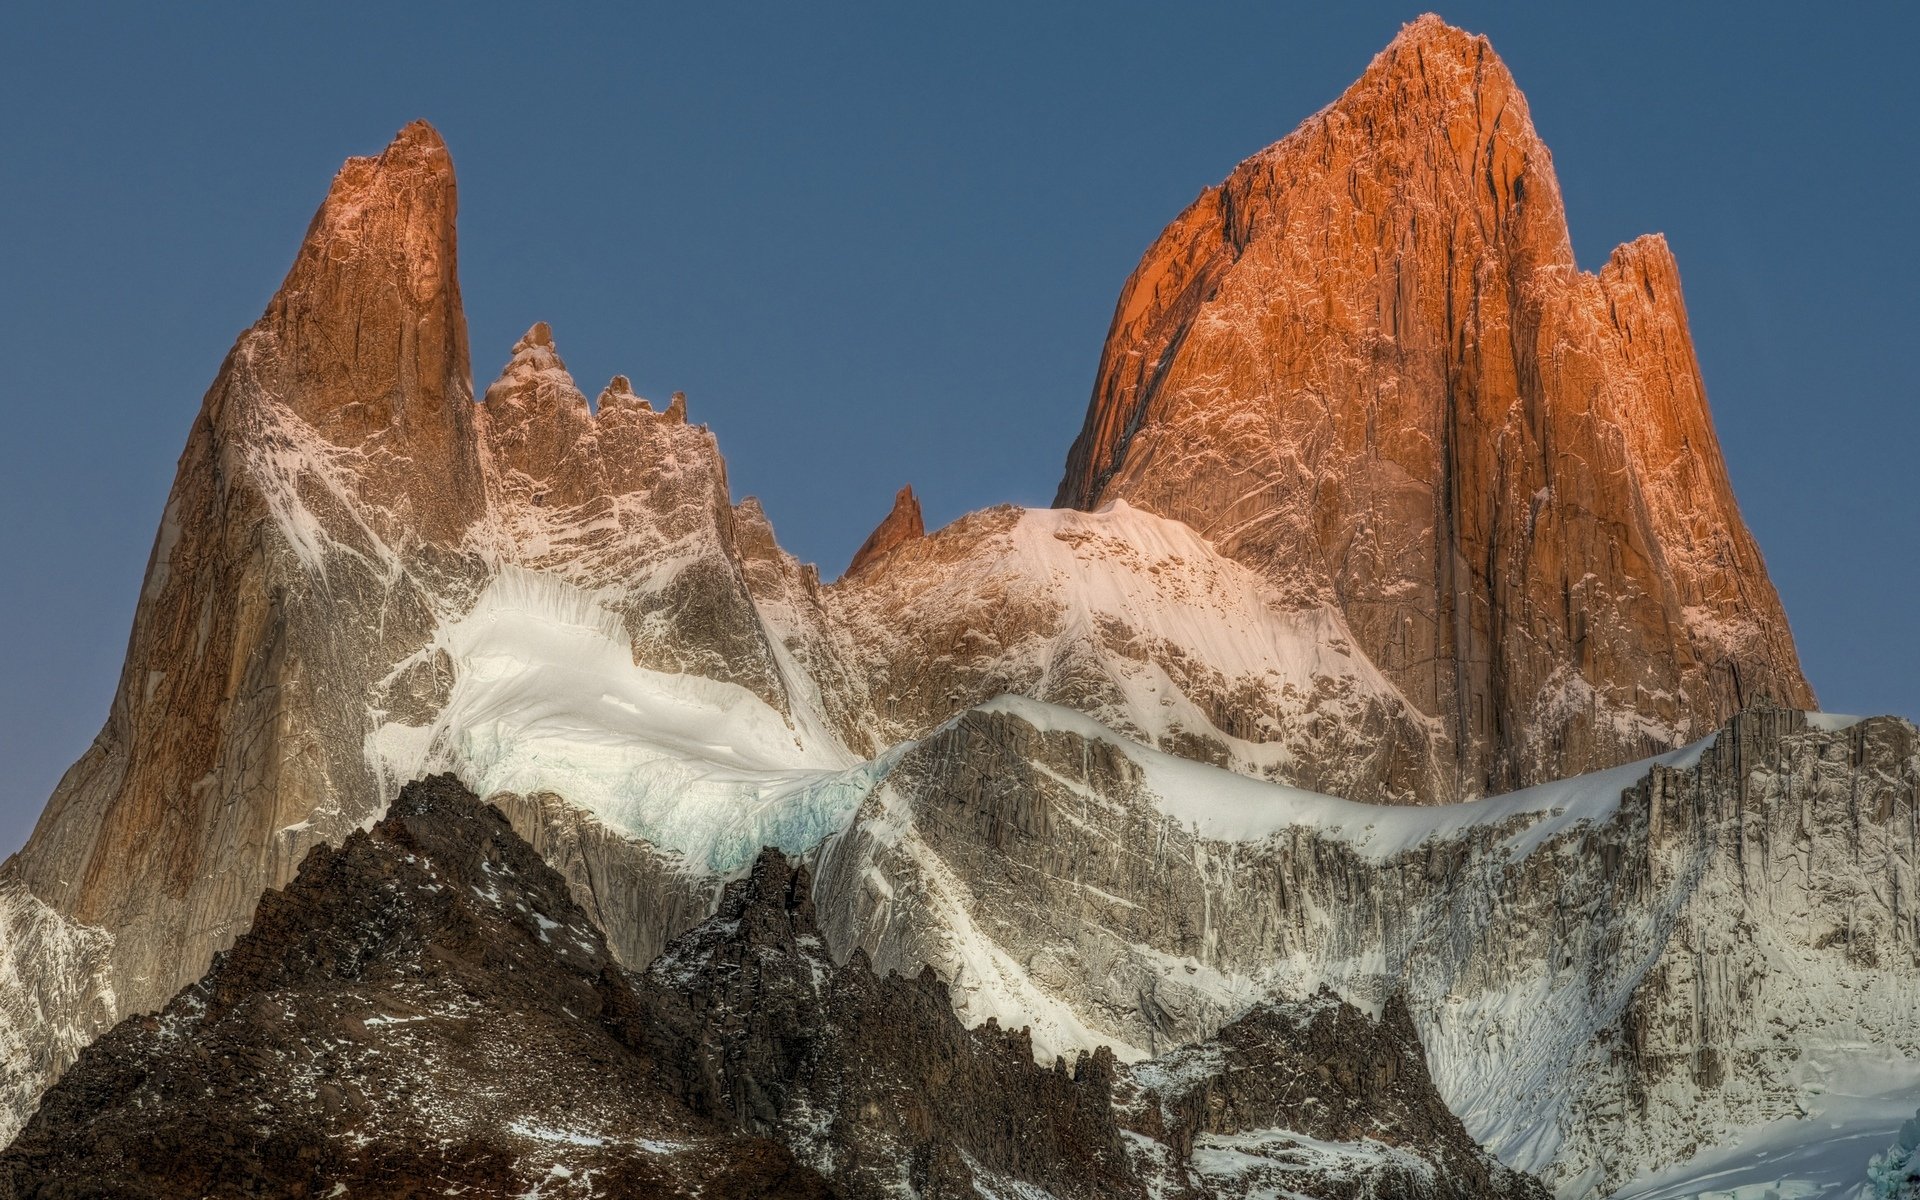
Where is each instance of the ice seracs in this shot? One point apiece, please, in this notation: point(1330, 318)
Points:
point(546, 697)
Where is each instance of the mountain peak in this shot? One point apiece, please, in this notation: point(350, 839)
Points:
point(902, 524)
point(536, 371)
point(538, 334)
point(1432, 29)
point(368, 324)
point(1367, 366)
point(1443, 54)
point(619, 394)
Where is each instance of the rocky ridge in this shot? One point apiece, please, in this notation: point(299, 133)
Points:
point(1606, 973)
point(362, 576)
point(425, 1010)
point(421, 1010)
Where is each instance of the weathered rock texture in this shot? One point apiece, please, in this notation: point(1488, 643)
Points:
point(340, 499)
point(1475, 532)
point(1367, 366)
point(1310, 1097)
point(422, 1010)
point(425, 1010)
point(234, 742)
point(1606, 974)
point(902, 524)
point(872, 1081)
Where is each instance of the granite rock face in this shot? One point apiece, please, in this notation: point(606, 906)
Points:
point(1367, 366)
point(1606, 973)
point(340, 500)
point(902, 524)
point(234, 742)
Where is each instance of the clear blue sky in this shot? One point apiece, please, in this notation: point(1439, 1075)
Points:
point(882, 244)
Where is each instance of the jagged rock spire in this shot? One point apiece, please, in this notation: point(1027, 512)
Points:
point(1367, 365)
point(902, 524)
point(368, 323)
point(619, 393)
point(335, 444)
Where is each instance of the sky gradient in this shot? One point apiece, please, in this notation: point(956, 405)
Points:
point(884, 248)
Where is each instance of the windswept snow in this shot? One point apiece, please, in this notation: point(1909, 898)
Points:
point(546, 698)
point(1854, 1116)
point(1227, 806)
point(1139, 622)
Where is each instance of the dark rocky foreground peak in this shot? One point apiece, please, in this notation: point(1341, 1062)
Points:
point(422, 1011)
point(426, 1011)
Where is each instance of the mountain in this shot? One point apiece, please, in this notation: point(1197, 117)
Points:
point(235, 730)
point(1127, 779)
point(1608, 973)
point(1367, 366)
point(425, 1010)
point(422, 1010)
point(902, 524)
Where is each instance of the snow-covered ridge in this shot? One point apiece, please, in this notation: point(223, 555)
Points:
point(1607, 973)
point(1137, 621)
point(546, 697)
point(1226, 806)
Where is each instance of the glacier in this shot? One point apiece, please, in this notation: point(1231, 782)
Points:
point(547, 698)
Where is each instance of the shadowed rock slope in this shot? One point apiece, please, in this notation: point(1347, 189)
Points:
point(422, 1010)
point(425, 1010)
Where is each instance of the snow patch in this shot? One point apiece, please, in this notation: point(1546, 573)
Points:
point(1226, 806)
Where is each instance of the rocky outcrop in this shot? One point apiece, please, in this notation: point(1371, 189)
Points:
point(1367, 366)
point(1606, 973)
point(637, 895)
point(422, 1010)
point(902, 524)
point(1311, 1097)
point(872, 1081)
point(425, 1009)
point(625, 502)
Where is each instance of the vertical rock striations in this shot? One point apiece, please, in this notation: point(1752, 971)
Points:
point(1368, 366)
point(235, 736)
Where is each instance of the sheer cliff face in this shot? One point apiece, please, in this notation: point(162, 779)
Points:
point(341, 499)
point(342, 416)
point(1367, 366)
